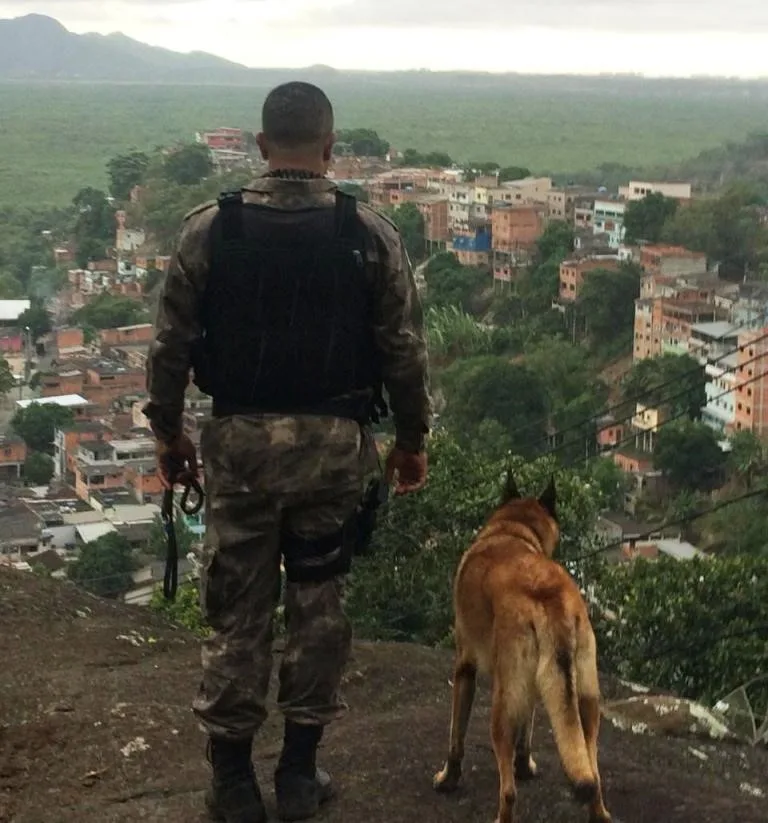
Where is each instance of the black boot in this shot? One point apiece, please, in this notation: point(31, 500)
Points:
point(234, 796)
point(300, 787)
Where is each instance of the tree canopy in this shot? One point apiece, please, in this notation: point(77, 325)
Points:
point(38, 468)
point(104, 566)
point(126, 171)
point(188, 165)
point(676, 382)
point(645, 219)
point(410, 221)
point(363, 142)
point(689, 454)
point(36, 424)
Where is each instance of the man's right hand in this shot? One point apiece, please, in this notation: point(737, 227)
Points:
point(410, 468)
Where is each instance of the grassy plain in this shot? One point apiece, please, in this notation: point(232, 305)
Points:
point(56, 138)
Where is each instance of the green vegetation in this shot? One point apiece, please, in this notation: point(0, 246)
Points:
point(104, 566)
point(37, 423)
point(38, 468)
point(108, 312)
point(546, 124)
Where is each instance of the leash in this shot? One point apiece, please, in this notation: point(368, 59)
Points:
point(171, 576)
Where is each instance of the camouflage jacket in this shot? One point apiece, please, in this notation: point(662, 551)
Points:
point(399, 330)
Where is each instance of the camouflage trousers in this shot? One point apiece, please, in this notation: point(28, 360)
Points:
point(265, 475)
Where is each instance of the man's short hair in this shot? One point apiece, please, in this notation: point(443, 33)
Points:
point(296, 114)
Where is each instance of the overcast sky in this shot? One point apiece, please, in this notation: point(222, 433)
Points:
point(655, 37)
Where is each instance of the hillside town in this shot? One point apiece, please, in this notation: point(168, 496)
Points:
point(103, 468)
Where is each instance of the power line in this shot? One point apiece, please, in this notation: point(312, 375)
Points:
point(663, 401)
point(684, 413)
point(680, 521)
point(537, 424)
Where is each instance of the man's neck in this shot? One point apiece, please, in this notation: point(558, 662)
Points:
point(296, 164)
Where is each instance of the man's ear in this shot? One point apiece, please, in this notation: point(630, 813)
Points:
point(511, 492)
point(262, 144)
point(328, 148)
point(548, 498)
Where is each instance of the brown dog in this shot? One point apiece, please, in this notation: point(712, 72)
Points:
point(520, 617)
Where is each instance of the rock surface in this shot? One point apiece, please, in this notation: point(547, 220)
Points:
point(95, 727)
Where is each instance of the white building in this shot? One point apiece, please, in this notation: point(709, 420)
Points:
point(637, 190)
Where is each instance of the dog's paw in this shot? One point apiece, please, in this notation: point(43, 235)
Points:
point(447, 780)
point(526, 768)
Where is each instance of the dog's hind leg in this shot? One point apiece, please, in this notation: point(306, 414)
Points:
point(525, 765)
point(588, 688)
point(556, 681)
point(464, 679)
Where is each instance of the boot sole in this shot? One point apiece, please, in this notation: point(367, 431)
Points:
point(217, 816)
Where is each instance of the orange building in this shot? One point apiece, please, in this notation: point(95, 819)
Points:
point(69, 339)
point(516, 227)
point(13, 453)
point(144, 482)
point(66, 381)
point(127, 335)
point(434, 210)
point(67, 441)
point(573, 272)
point(751, 391)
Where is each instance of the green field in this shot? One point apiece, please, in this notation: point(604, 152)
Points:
point(56, 138)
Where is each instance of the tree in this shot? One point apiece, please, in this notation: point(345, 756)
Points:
point(645, 219)
point(574, 392)
point(363, 142)
point(108, 312)
point(410, 221)
point(689, 454)
point(449, 283)
point(746, 458)
point(610, 483)
point(104, 566)
point(510, 173)
point(11, 287)
point(38, 469)
point(7, 380)
point(36, 317)
point(126, 171)
point(675, 382)
point(402, 590)
point(188, 165)
point(432, 159)
point(492, 388)
point(36, 424)
point(556, 242)
point(606, 301)
point(692, 627)
point(728, 229)
point(95, 224)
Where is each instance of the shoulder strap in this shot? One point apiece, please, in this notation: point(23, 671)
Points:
point(231, 216)
point(346, 222)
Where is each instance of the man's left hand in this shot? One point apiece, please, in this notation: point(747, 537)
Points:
point(176, 461)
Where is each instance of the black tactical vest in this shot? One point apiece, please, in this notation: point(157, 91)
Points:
point(287, 313)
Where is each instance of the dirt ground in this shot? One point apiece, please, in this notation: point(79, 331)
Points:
point(95, 726)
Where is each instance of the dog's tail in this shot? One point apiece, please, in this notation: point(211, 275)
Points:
point(559, 683)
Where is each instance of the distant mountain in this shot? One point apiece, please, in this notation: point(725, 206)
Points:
point(39, 47)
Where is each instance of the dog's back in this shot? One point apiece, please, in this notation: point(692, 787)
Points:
point(520, 617)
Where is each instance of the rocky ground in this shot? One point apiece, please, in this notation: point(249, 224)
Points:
point(95, 727)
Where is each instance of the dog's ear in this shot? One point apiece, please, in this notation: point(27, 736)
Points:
point(511, 492)
point(548, 498)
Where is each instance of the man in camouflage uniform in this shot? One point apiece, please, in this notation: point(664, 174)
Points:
point(268, 475)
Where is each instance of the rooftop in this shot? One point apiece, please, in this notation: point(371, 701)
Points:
point(716, 329)
point(66, 400)
point(11, 310)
